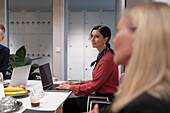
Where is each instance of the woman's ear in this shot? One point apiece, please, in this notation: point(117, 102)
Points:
point(106, 39)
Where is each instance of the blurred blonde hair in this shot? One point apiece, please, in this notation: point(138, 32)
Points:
point(149, 67)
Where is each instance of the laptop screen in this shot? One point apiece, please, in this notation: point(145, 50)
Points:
point(46, 77)
point(20, 75)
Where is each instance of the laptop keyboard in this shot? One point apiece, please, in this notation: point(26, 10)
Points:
point(53, 87)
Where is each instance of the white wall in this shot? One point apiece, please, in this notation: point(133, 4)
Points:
point(58, 38)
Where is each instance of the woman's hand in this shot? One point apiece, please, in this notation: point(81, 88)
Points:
point(69, 83)
point(63, 86)
point(96, 109)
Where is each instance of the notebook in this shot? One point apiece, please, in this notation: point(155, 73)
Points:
point(20, 75)
point(47, 81)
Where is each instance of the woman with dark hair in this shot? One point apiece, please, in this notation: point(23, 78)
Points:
point(105, 31)
point(105, 74)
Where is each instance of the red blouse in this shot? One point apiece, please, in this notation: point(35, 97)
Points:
point(105, 78)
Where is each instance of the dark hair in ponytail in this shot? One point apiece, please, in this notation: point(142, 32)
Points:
point(108, 45)
point(106, 32)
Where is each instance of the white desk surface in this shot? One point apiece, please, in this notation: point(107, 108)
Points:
point(51, 100)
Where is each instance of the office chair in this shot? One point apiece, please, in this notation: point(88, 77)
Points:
point(92, 100)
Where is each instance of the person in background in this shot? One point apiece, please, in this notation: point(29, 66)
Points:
point(123, 43)
point(145, 87)
point(4, 53)
point(105, 74)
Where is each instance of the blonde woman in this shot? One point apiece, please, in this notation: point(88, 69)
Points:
point(146, 84)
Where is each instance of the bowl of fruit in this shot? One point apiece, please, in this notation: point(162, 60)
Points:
point(18, 91)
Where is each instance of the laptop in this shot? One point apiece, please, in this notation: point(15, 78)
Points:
point(47, 81)
point(20, 75)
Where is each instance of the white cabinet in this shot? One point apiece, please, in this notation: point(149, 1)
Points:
point(30, 19)
point(45, 25)
point(76, 23)
point(15, 42)
point(108, 19)
point(80, 51)
point(75, 45)
point(16, 29)
point(92, 18)
point(33, 29)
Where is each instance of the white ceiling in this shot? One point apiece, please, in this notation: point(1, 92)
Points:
point(72, 4)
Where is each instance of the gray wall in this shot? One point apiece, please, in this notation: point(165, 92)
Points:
point(72, 4)
point(134, 2)
point(91, 4)
point(30, 5)
point(120, 4)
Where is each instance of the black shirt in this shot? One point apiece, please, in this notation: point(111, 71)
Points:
point(145, 103)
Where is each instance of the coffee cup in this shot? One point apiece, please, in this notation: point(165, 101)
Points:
point(35, 98)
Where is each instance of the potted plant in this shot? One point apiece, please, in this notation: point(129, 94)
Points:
point(19, 59)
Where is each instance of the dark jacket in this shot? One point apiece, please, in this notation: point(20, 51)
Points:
point(4, 59)
point(146, 103)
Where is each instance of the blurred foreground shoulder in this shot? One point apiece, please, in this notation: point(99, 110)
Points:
point(146, 103)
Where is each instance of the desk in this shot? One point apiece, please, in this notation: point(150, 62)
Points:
point(51, 100)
